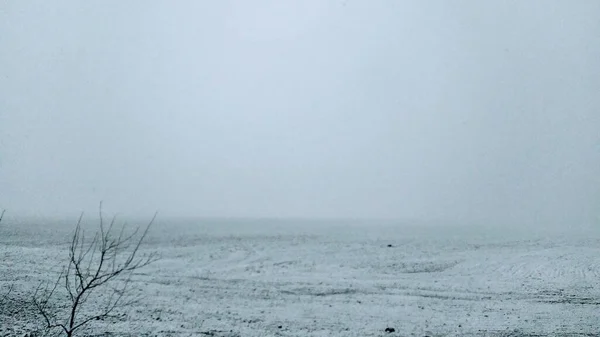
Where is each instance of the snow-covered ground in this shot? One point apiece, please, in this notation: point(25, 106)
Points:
point(306, 278)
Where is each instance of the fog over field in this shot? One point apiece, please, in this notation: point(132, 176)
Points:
point(286, 144)
point(466, 111)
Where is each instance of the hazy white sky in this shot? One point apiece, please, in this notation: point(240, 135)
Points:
point(460, 110)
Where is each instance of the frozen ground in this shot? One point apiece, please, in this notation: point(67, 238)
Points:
point(301, 278)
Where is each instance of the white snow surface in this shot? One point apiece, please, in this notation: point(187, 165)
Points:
point(328, 278)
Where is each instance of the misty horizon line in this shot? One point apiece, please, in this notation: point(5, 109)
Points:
point(121, 218)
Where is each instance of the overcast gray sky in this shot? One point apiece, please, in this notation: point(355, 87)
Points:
point(459, 110)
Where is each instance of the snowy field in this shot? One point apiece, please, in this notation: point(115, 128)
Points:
point(309, 278)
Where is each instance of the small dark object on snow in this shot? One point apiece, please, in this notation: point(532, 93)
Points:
point(390, 246)
point(279, 327)
point(390, 330)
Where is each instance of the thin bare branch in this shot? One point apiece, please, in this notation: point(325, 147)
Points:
point(112, 223)
point(101, 221)
point(5, 297)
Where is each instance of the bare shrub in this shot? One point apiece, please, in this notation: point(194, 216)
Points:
point(96, 280)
